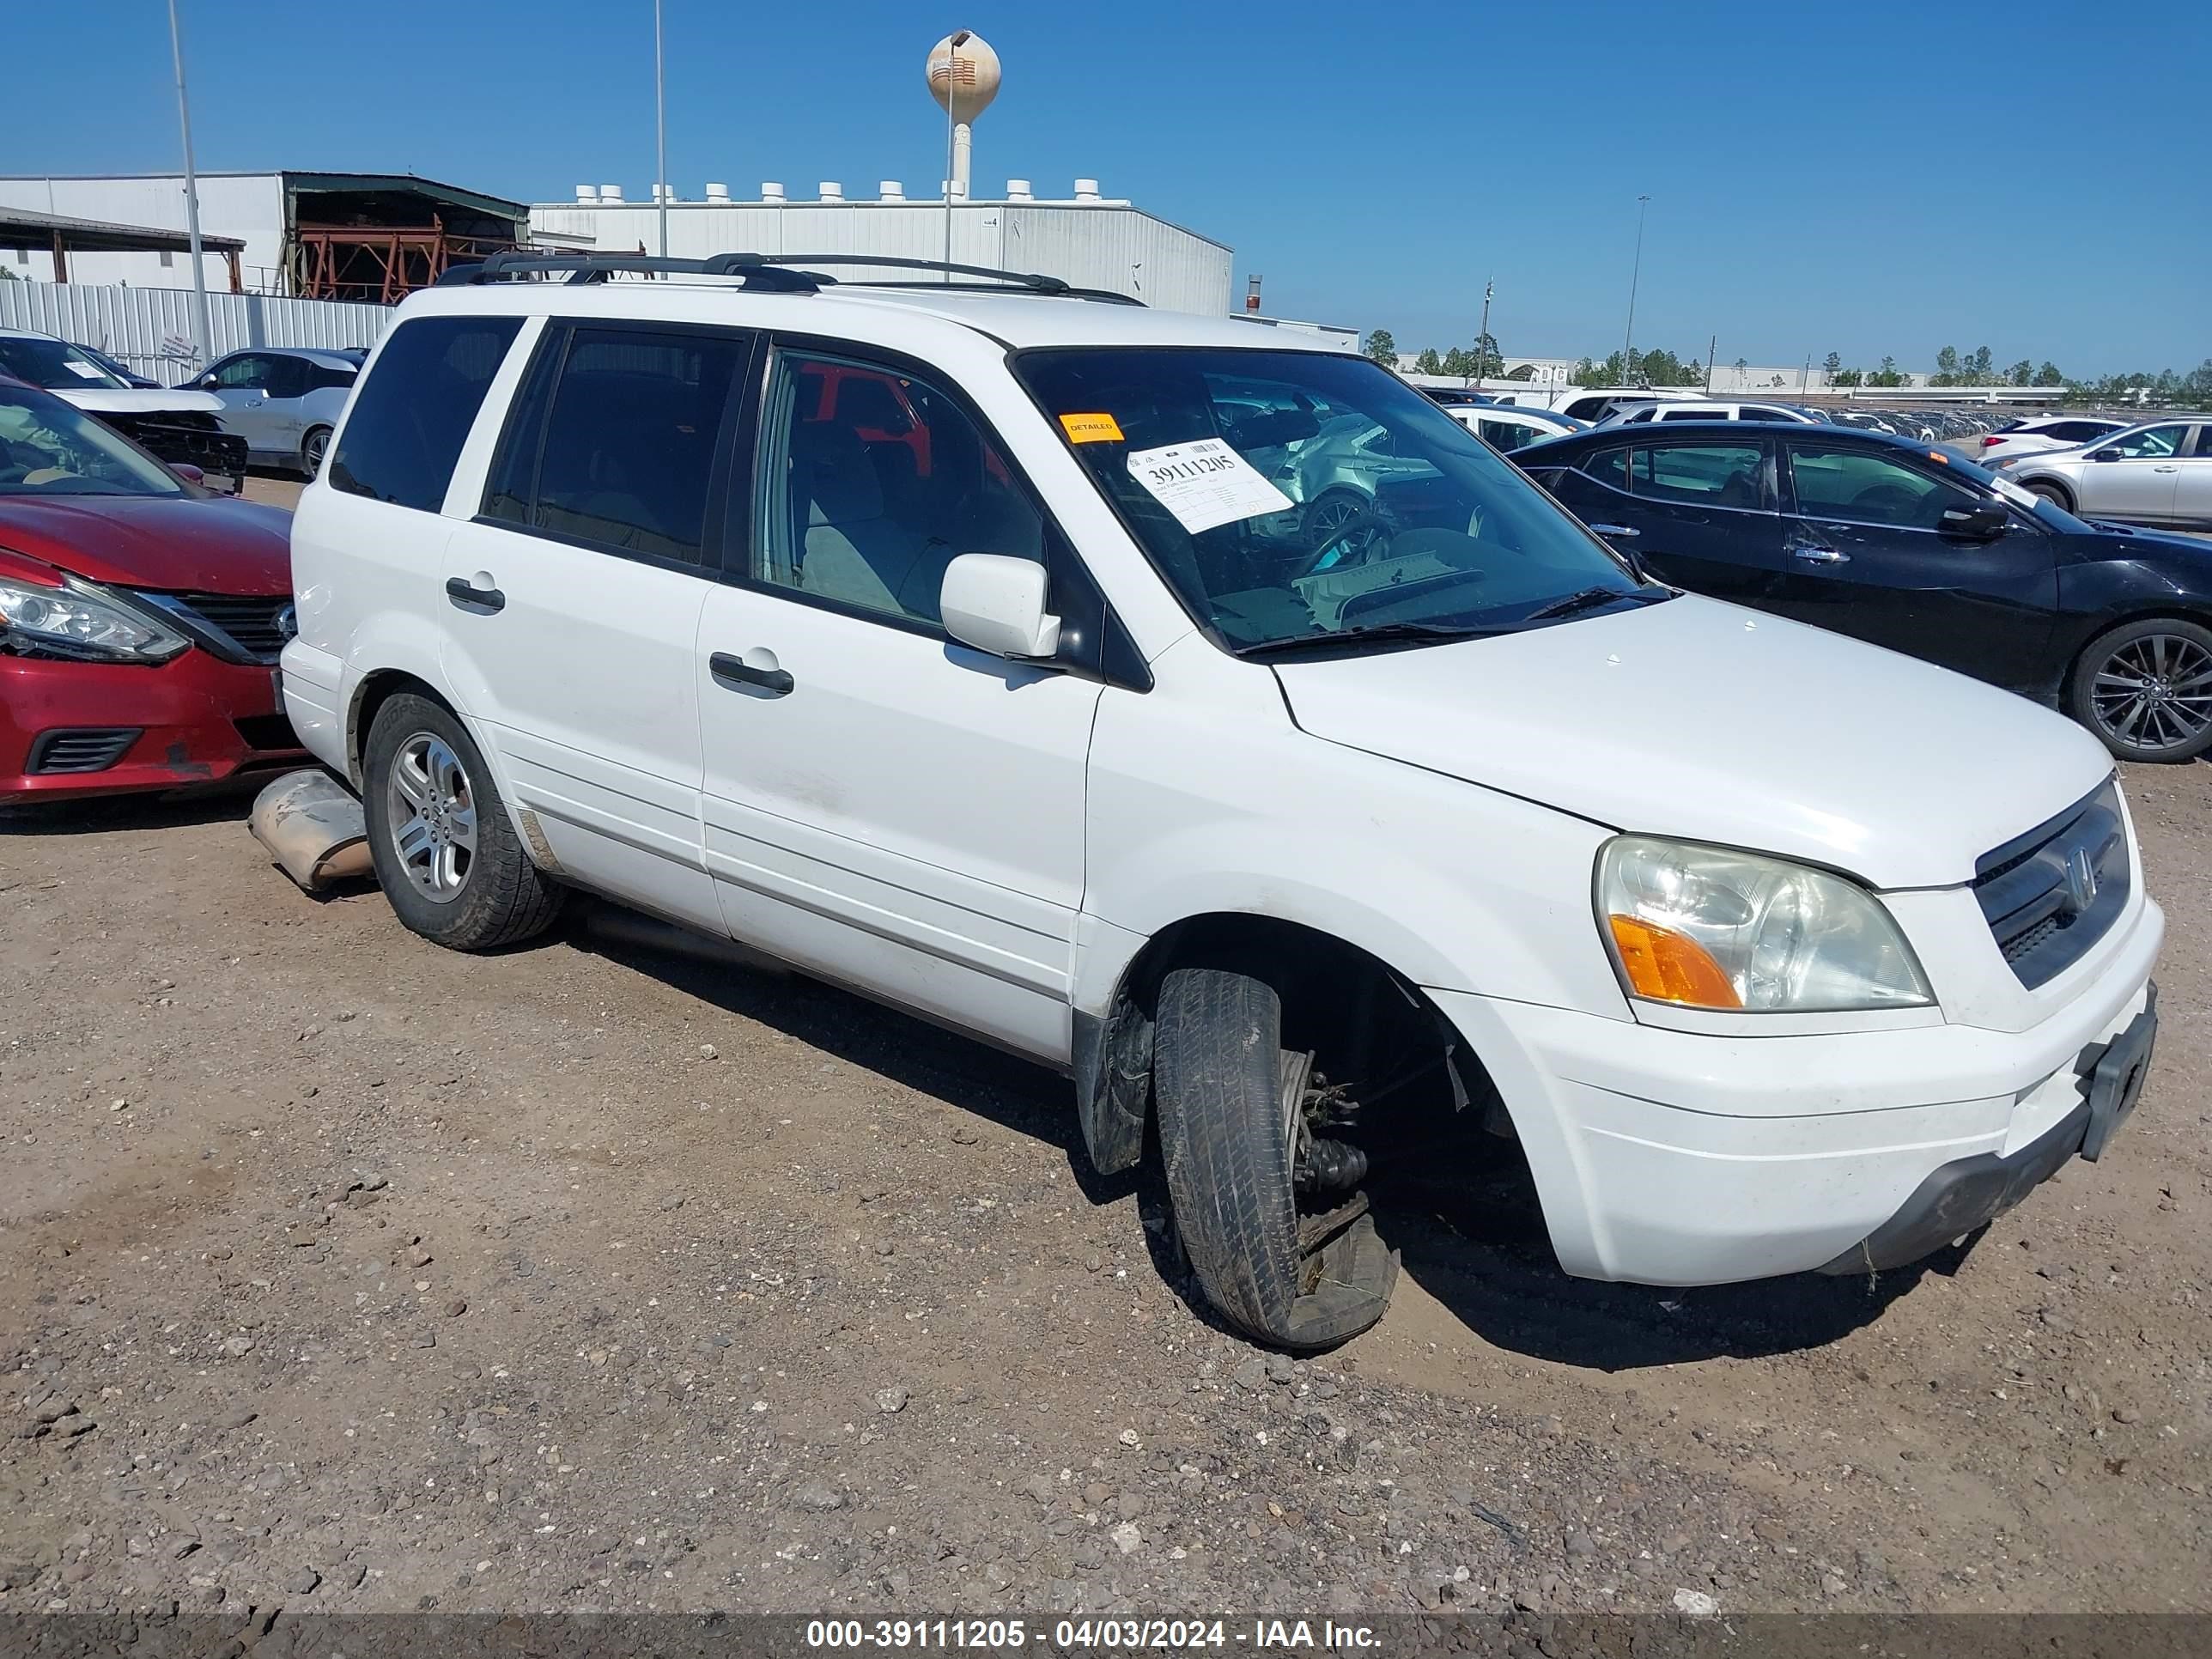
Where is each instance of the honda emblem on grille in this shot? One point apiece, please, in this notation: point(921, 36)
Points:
point(2081, 881)
point(288, 627)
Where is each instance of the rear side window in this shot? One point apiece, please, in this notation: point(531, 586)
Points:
point(1706, 474)
point(412, 416)
point(616, 445)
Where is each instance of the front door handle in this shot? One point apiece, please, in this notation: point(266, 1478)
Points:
point(1818, 553)
point(465, 594)
point(733, 672)
point(2165, 469)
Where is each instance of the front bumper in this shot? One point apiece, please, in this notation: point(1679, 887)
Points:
point(1674, 1158)
point(194, 721)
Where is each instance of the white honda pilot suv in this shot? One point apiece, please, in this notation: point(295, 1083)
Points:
point(966, 643)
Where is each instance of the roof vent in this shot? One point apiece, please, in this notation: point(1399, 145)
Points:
point(830, 191)
point(771, 191)
point(1086, 190)
point(1017, 190)
point(891, 190)
point(610, 193)
point(718, 193)
point(587, 195)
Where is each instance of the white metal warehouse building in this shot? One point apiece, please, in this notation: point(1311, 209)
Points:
point(1085, 239)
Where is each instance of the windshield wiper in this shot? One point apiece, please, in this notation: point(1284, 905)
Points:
point(1588, 599)
point(1427, 633)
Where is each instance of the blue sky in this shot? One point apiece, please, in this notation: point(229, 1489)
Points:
point(1871, 177)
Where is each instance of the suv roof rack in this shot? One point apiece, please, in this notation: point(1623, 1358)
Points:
point(773, 273)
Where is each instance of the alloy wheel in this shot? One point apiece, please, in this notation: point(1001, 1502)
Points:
point(431, 809)
point(2155, 692)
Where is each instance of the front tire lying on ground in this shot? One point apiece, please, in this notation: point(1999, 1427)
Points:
point(446, 856)
point(1230, 1102)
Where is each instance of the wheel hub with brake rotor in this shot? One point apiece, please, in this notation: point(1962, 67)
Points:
point(1236, 1116)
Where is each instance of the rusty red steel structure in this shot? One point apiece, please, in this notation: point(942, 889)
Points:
point(380, 263)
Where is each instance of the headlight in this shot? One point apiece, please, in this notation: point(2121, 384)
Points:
point(1703, 927)
point(82, 621)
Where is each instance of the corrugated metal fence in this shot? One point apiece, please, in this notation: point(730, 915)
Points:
point(150, 330)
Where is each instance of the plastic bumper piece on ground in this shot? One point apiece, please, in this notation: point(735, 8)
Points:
point(1961, 1196)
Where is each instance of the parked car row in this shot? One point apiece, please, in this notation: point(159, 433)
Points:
point(282, 402)
point(1221, 724)
point(1901, 544)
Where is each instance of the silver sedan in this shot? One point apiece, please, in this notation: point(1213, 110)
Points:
point(2158, 474)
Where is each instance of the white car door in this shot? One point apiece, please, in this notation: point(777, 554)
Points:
point(243, 383)
point(2192, 494)
point(2134, 476)
point(883, 805)
point(573, 597)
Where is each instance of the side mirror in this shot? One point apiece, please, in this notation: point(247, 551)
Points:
point(188, 472)
point(996, 604)
point(2107, 455)
point(1984, 521)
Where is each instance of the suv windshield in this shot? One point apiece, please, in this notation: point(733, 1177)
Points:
point(47, 447)
point(54, 363)
point(1293, 497)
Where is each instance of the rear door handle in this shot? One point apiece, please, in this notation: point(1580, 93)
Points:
point(733, 672)
point(465, 594)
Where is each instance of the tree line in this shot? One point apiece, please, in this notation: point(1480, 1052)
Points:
point(1483, 361)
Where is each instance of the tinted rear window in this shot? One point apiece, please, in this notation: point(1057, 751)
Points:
point(412, 415)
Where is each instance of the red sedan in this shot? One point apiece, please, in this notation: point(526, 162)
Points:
point(140, 616)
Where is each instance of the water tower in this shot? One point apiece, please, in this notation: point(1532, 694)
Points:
point(963, 78)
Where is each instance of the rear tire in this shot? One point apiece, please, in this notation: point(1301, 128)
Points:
point(311, 452)
point(492, 896)
point(2145, 688)
point(1228, 1128)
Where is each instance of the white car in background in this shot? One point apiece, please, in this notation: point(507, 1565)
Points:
point(2159, 474)
point(2042, 432)
point(76, 376)
point(1508, 426)
point(285, 404)
point(1685, 410)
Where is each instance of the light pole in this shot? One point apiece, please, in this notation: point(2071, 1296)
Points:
point(661, 128)
point(1628, 340)
point(204, 341)
point(1482, 333)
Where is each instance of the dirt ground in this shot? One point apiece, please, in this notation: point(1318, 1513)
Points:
point(340, 1272)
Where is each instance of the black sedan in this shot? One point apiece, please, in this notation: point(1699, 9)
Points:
point(1896, 543)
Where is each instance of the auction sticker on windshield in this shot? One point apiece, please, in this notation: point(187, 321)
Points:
point(1206, 484)
point(2013, 493)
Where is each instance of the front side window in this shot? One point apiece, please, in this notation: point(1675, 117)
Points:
point(872, 481)
point(1350, 505)
point(49, 447)
point(1852, 485)
point(245, 373)
point(409, 422)
point(1701, 474)
point(2153, 443)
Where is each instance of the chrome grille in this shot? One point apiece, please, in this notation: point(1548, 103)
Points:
point(2050, 895)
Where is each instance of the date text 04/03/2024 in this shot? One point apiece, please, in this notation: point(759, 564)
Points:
point(1120, 1635)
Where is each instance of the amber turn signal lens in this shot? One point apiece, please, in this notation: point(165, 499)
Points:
point(1670, 967)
